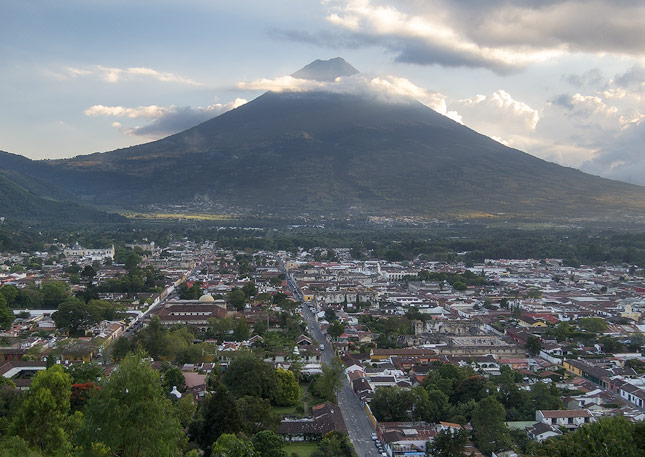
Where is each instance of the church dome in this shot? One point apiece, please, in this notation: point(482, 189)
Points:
point(206, 298)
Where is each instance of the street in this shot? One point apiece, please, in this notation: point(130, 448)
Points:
point(358, 424)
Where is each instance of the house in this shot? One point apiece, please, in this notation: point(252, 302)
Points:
point(21, 372)
point(325, 418)
point(406, 438)
point(193, 313)
point(570, 419)
point(541, 432)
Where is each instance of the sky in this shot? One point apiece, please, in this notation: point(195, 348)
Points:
point(562, 80)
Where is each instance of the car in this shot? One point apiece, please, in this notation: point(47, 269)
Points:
point(322, 347)
point(374, 436)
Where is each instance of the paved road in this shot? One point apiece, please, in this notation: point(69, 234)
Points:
point(358, 424)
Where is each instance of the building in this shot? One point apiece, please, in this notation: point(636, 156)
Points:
point(195, 313)
point(325, 418)
point(569, 419)
point(77, 252)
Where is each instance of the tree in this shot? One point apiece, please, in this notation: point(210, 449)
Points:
point(152, 338)
point(448, 443)
point(81, 393)
point(193, 292)
point(249, 289)
point(229, 445)
point(489, 429)
point(220, 328)
point(241, 330)
point(334, 444)
point(330, 315)
point(636, 342)
point(330, 381)
point(172, 377)
point(438, 404)
point(609, 437)
point(268, 444)
point(10, 401)
point(236, 298)
point(14, 446)
point(42, 417)
point(120, 348)
point(217, 414)
point(85, 372)
point(562, 331)
point(11, 295)
point(288, 391)
point(54, 292)
point(256, 414)
point(248, 375)
point(132, 262)
point(75, 316)
point(459, 286)
point(533, 345)
point(593, 324)
point(336, 328)
point(131, 415)
point(6, 315)
point(393, 404)
point(88, 274)
point(186, 408)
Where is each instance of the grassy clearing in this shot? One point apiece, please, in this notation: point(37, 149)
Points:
point(302, 449)
point(285, 410)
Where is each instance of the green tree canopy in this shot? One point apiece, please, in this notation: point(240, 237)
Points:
point(256, 414)
point(334, 444)
point(248, 375)
point(533, 345)
point(42, 417)
point(609, 437)
point(6, 315)
point(489, 429)
point(217, 414)
point(449, 443)
point(229, 445)
point(593, 324)
point(288, 390)
point(131, 416)
point(268, 444)
point(330, 382)
point(54, 292)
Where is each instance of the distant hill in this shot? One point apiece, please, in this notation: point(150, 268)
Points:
point(330, 153)
point(22, 198)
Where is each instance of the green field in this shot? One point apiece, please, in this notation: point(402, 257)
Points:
point(302, 449)
point(285, 410)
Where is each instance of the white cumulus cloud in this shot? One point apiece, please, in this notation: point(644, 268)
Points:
point(387, 88)
point(115, 74)
point(165, 120)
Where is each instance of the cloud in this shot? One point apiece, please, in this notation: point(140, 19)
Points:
point(152, 111)
point(499, 116)
point(115, 75)
point(496, 34)
point(166, 120)
point(386, 88)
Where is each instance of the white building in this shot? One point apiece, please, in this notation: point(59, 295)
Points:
point(77, 252)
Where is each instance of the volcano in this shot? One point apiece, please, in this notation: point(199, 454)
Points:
point(334, 152)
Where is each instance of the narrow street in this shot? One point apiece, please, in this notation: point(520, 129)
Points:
point(356, 420)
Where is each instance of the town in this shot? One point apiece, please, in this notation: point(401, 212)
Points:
point(317, 351)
